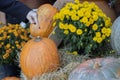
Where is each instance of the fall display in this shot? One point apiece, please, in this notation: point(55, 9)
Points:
point(98, 69)
point(39, 56)
point(74, 40)
point(45, 19)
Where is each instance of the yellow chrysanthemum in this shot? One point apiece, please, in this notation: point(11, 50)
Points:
point(61, 25)
point(75, 7)
point(108, 30)
point(16, 34)
point(107, 34)
point(103, 37)
point(91, 20)
point(61, 16)
point(84, 20)
point(80, 13)
point(10, 31)
point(79, 31)
point(87, 24)
point(72, 28)
point(66, 32)
point(95, 38)
point(77, 1)
point(70, 4)
point(98, 34)
point(66, 26)
point(85, 3)
point(95, 17)
point(99, 40)
point(74, 17)
point(7, 46)
point(103, 30)
point(95, 27)
point(8, 37)
point(88, 14)
point(107, 23)
point(13, 47)
point(73, 12)
point(1, 38)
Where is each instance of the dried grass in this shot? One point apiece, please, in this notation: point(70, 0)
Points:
point(67, 63)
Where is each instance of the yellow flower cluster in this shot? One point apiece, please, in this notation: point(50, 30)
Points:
point(81, 20)
point(12, 39)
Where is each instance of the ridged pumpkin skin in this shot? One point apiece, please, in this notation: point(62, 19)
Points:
point(45, 18)
point(11, 78)
point(115, 36)
point(97, 69)
point(38, 57)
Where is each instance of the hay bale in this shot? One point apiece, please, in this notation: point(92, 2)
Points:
point(67, 63)
point(61, 74)
point(115, 36)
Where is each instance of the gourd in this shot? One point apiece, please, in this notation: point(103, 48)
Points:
point(11, 78)
point(115, 36)
point(97, 69)
point(45, 18)
point(38, 56)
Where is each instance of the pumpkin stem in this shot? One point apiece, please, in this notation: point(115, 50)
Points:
point(38, 38)
point(96, 65)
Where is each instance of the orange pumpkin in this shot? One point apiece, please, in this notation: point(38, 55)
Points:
point(39, 56)
point(45, 18)
point(11, 78)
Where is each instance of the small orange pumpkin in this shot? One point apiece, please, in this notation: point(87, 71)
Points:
point(39, 56)
point(45, 18)
point(11, 78)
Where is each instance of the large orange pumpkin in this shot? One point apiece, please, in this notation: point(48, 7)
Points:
point(39, 56)
point(97, 69)
point(11, 78)
point(45, 18)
